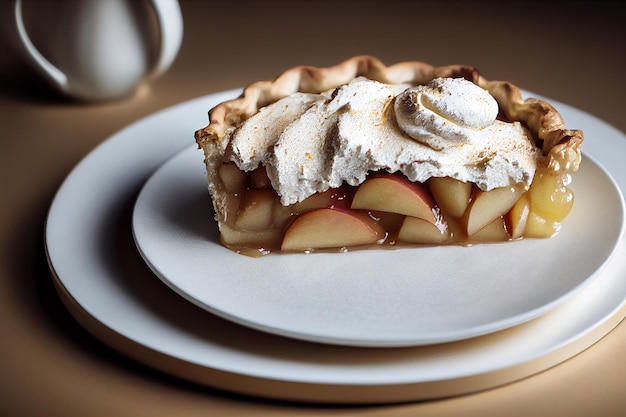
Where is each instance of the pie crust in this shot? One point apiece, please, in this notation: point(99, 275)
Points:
point(559, 147)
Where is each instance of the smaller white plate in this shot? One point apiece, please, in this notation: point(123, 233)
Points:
point(382, 298)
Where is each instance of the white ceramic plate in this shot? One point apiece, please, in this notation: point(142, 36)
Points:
point(381, 298)
point(108, 289)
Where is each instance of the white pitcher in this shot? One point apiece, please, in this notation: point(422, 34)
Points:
point(104, 51)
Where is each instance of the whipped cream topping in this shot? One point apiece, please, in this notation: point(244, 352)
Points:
point(445, 112)
point(253, 141)
point(311, 142)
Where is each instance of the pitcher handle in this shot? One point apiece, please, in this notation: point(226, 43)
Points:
point(55, 75)
point(170, 20)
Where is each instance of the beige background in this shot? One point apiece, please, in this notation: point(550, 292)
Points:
point(49, 365)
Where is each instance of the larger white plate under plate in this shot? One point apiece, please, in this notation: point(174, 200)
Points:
point(378, 298)
point(114, 295)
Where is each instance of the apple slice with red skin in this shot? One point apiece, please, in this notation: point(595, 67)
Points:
point(331, 228)
point(394, 193)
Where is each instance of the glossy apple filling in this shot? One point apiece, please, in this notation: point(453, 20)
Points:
point(388, 210)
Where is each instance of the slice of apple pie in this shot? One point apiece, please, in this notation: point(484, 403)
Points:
point(366, 155)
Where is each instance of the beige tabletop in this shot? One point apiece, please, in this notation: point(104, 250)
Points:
point(49, 365)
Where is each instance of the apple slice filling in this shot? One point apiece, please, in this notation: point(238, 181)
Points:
point(388, 210)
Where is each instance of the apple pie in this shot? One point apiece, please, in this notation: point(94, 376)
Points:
point(363, 155)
